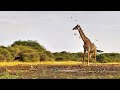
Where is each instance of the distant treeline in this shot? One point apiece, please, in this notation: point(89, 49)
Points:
point(32, 51)
point(103, 58)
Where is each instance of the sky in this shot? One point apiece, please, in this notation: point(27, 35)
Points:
point(53, 29)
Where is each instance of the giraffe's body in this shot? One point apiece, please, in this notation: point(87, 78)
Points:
point(88, 45)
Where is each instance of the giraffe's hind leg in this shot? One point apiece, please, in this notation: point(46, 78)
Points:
point(90, 55)
point(95, 55)
point(88, 58)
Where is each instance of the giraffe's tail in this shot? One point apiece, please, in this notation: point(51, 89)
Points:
point(100, 51)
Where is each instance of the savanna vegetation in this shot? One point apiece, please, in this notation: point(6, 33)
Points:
point(32, 51)
point(30, 60)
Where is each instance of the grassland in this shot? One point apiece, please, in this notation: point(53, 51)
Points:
point(40, 63)
point(50, 63)
point(58, 70)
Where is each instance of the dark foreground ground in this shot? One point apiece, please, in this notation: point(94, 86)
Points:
point(110, 71)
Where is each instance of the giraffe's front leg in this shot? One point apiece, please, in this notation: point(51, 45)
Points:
point(90, 55)
point(95, 55)
point(84, 56)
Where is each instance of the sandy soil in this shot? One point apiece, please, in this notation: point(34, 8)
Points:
point(63, 71)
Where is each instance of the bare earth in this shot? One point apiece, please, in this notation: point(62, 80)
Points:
point(105, 71)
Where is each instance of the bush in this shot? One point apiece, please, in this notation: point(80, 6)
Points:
point(14, 51)
point(5, 55)
point(29, 57)
point(43, 53)
point(48, 53)
point(67, 56)
point(28, 54)
point(108, 57)
point(101, 58)
point(30, 43)
point(24, 53)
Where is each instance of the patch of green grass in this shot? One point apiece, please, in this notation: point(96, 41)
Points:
point(6, 75)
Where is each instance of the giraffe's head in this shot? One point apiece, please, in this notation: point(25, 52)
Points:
point(77, 27)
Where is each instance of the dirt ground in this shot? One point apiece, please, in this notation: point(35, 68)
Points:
point(106, 71)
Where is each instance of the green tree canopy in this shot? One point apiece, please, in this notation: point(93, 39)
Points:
point(31, 43)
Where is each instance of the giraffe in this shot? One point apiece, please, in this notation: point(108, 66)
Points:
point(88, 45)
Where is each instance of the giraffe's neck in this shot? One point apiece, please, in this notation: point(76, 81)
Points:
point(83, 36)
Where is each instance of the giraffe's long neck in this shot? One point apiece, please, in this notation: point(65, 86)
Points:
point(83, 36)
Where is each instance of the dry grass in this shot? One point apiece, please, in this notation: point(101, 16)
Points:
point(39, 63)
point(49, 63)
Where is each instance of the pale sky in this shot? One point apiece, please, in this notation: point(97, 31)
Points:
point(53, 29)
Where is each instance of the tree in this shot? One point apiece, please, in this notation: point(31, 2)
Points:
point(31, 43)
point(24, 53)
point(5, 55)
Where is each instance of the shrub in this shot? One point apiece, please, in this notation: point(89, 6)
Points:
point(101, 58)
point(48, 53)
point(41, 51)
point(29, 57)
point(30, 43)
point(5, 55)
point(24, 53)
point(46, 57)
